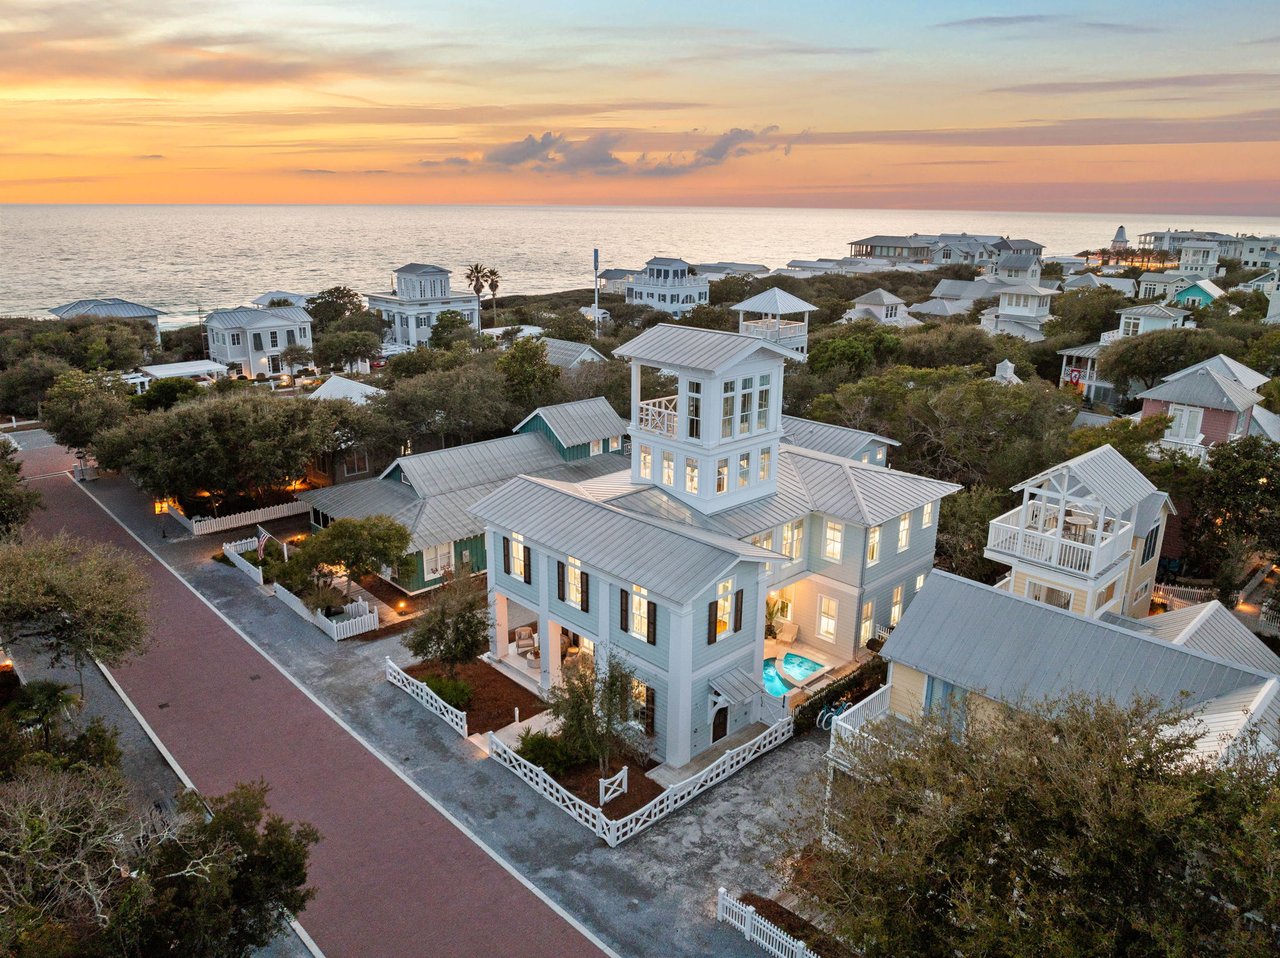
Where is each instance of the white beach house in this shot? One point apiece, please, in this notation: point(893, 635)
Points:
point(420, 292)
point(248, 340)
point(742, 558)
point(668, 284)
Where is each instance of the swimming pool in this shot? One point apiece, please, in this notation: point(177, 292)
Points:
point(796, 669)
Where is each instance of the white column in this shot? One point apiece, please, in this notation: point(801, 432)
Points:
point(679, 718)
point(501, 630)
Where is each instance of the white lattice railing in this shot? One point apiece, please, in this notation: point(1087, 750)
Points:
point(617, 831)
point(759, 930)
point(428, 699)
point(658, 416)
point(203, 526)
point(611, 788)
point(232, 552)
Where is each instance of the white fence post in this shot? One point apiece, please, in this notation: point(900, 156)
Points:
point(749, 922)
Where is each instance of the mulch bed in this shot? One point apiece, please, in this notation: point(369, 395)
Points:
point(494, 697)
point(384, 591)
point(641, 790)
point(796, 927)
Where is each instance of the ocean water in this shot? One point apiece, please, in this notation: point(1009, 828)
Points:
point(189, 259)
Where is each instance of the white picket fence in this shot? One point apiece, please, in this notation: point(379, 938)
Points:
point(759, 930)
point(616, 831)
point(1181, 596)
point(611, 788)
point(232, 551)
point(203, 525)
point(422, 692)
point(361, 617)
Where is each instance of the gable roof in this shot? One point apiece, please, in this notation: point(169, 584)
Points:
point(112, 308)
point(1206, 388)
point(666, 261)
point(1154, 311)
point(774, 302)
point(1263, 422)
point(1227, 367)
point(1205, 285)
point(1018, 261)
point(938, 307)
point(833, 440)
point(671, 561)
point(878, 297)
point(1209, 627)
point(1106, 473)
point(339, 387)
point(706, 350)
point(577, 423)
point(565, 353)
point(1027, 289)
point(246, 317)
point(1020, 652)
point(860, 492)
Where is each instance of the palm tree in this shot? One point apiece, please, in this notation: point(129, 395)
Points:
point(477, 274)
point(492, 276)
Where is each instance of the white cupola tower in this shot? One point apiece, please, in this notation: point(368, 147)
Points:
point(713, 444)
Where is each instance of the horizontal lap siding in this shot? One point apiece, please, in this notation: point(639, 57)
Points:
point(657, 655)
point(474, 547)
point(906, 691)
point(729, 642)
point(525, 593)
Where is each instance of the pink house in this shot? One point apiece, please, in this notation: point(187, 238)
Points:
point(1211, 402)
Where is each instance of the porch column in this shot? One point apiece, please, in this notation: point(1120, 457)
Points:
point(501, 631)
point(679, 717)
point(549, 641)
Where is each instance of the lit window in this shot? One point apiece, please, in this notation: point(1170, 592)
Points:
point(724, 605)
point(642, 706)
point(640, 612)
point(746, 404)
point(1057, 598)
point(880, 454)
point(926, 515)
point(517, 555)
point(895, 611)
point(744, 470)
point(904, 532)
point(827, 608)
point(920, 581)
point(726, 411)
point(793, 539)
point(722, 476)
point(764, 540)
point(668, 469)
point(691, 476)
point(782, 603)
point(766, 464)
point(833, 541)
point(868, 622)
point(573, 582)
point(873, 545)
point(646, 462)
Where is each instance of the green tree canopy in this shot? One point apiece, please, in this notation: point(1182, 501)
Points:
point(166, 393)
point(850, 350)
point(345, 350)
point(1085, 314)
point(596, 710)
point(25, 384)
point(17, 500)
point(450, 327)
point(361, 546)
point(963, 523)
point(531, 379)
point(455, 627)
point(1146, 359)
point(331, 305)
point(80, 405)
point(1068, 829)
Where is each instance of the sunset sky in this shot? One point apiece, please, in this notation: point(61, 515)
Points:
point(1075, 106)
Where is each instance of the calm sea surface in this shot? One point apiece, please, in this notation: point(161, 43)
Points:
point(188, 259)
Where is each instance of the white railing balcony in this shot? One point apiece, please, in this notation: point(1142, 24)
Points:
point(1195, 448)
point(658, 416)
point(1081, 550)
point(782, 332)
point(1110, 336)
point(850, 723)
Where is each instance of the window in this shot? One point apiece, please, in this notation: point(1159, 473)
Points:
point(1186, 423)
point(827, 608)
point(519, 565)
point(1130, 326)
point(880, 454)
point(722, 476)
point(289, 338)
point(691, 476)
point(764, 540)
point(744, 470)
point(895, 610)
point(724, 606)
point(762, 403)
point(793, 539)
point(782, 600)
point(257, 342)
point(355, 462)
point(274, 338)
point(833, 541)
point(646, 462)
point(668, 469)
point(695, 410)
point(865, 631)
point(574, 586)
point(926, 515)
point(1149, 544)
point(873, 545)
point(597, 447)
point(746, 405)
point(643, 706)
point(891, 310)
point(904, 532)
point(1039, 592)
point(766, 464)
point(1106, 595)
point(641, 621)
point(235, 339)
point(920, 581)
point(726, 411)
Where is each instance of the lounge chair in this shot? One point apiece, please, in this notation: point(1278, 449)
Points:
point(786, 632)
point(525, 639)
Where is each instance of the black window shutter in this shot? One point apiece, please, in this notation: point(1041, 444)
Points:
point(737, 611)
point(585, 583)
point(560, 581)
point(506, 555)
point(652, 637)
point(650, 710)
point(711, 622)
point(624, 611)
point(528, 566)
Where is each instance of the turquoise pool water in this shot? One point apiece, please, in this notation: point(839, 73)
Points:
point(795, 669)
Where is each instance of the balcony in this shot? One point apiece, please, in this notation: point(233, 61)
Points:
point(1110, 336)
point(790, 335)
point(850, 723)
point(1080, 548)
point(1195, 448)
point(658, 416)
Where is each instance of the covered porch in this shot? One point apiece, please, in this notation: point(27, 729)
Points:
point(530, 651)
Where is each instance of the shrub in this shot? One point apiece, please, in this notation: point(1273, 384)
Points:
point(853, 687)
point(455, 692)
point(548, 752)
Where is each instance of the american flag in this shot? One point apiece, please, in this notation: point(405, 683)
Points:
point(263, 536)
